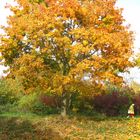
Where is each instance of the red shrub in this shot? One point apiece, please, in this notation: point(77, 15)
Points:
point(136, 101)
point(111, 104)
point(51, 101)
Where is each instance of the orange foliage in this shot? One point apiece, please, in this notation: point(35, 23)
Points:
point(54, 43)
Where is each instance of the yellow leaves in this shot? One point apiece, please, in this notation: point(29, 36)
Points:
point(35, 37)
point(31, 70)
point(23, 69)
point(64, 80)
point(84, 65)
point(85, 42)
point(76, 36)
point(60, 82)
point(108, 19)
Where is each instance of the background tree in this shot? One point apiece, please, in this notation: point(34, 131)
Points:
point(135, 86)
point(53, 44)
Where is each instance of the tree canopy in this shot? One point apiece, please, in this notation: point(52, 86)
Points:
point(53, 44)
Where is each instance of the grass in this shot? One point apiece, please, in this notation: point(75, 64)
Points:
point(18, 126)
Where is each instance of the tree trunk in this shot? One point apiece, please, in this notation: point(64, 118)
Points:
point(66, 103)
point(65, 95)
point(64, 107)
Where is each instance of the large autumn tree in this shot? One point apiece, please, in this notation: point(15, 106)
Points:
point(53, 44)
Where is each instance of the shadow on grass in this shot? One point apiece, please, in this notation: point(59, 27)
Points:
point(20, 129)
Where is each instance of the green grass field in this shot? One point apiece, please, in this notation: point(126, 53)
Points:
point(54, 127)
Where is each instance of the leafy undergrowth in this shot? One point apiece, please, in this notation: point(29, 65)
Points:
point(54, 127)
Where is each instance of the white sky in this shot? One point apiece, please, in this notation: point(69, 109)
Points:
point(131, 13)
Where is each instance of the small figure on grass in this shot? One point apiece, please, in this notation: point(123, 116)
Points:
point(131, 112)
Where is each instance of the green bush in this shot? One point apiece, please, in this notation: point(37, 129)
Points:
point(27, 102)
point(81, 104)
point(32, 103)
point(10, 91)
point(41, 109)
point(7, 108)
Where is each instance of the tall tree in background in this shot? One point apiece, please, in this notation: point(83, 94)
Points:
point(53, 44)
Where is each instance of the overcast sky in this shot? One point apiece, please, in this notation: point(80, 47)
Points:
point(130, 13)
